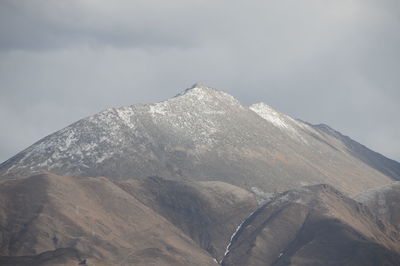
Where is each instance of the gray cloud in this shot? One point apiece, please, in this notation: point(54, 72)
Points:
point(334, 62)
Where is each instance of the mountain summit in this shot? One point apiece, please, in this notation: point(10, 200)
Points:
point(197, 86)
point(203, 134)
point(199, 179)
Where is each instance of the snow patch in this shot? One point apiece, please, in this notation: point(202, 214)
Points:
point(279, 120)
point(125, 114)
point(261, 196)
point(71, 138)
point(270, 115)
point(157, 109)
point(228, 247)
point(102, 158)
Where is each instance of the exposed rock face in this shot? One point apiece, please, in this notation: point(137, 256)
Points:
point(314, 225)
point(203, 134)
point(61, 220)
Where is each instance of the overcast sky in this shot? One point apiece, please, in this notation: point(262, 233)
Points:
point(334, 62)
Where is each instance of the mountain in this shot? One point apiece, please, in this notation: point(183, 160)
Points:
point(199, 179)
point(378, 161)
point(61, 220)
point(314, 225)
point(206, 135)
point(384, 201)
point(208, 211)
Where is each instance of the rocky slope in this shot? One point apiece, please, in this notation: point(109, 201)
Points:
point(315, 225)
point(384, 201)
point(61, 220)
point(208, 212)
point(211, 152)
point(202, 134)
point(378, 161)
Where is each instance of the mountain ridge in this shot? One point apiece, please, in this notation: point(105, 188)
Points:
point(198, 179)
point(202, 134)
point(314, 225)
point(375, 159)
point(62, 220)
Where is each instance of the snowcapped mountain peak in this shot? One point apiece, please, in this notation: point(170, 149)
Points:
point(203, 133)
point(198, 87)
point(200, 94)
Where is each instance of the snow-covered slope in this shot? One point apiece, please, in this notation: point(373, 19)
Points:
point(201, 134)
point(288, 125)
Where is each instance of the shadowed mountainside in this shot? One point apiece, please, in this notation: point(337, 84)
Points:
point(208, 212)
point(57, 220)
point(61, 220)
point(315, 225)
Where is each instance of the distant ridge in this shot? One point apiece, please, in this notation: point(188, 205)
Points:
point(376, 160)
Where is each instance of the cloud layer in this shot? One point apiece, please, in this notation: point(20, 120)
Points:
point(335, 62)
